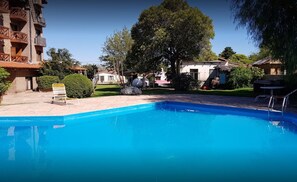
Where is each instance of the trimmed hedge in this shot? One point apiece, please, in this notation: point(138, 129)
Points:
point(45, 82)
point(78, 86)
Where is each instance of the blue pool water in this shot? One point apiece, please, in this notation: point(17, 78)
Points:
point(165, 141)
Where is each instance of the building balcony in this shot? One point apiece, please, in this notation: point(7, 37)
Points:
point(4, 32)
point(19, 59)
point(18, 37)
point(18, 14)
point(40, 41)
point(4, 57)
point(4, 6)
point(40, 21)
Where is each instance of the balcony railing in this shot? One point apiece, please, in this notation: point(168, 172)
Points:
point(40, 21)
point(4, 32)
point(40, 41)
point(19, 59)
point(19, 14)
point(18, 37)
point(4, 57)
point(4, 6)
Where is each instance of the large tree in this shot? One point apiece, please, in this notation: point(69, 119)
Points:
point(115, 51)
point(170, 32)
point(271, 23)
point(59, 63)
point(227, 53)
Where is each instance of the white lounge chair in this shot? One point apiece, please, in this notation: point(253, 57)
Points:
point(59, 92)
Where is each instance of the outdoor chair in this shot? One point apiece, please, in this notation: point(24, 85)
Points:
point(59, 92)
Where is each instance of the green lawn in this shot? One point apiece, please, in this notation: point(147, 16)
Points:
point(106, 90)
point(111, 90)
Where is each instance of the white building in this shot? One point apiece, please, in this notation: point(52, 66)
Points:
point(202, 71)
point(108, 77)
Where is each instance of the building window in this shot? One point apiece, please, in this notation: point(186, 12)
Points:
point(194, 73)
point(110, 78)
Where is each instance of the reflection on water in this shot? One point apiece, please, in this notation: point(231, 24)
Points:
point(181, 145)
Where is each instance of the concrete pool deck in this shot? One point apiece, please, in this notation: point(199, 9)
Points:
point(39, 103)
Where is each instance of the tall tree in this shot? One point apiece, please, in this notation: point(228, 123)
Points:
point(59, 63)
point(271, 23)
point(115, 51)
point(263, 53)
point(227, 53)
point(240, 58)
point(92, 69)
point(170, 32)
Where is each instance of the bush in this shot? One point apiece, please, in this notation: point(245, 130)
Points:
point(45, 82)
point(240, 77)
point(78, 86)
point(244, 77)
point(184, 82)
point(4, 85)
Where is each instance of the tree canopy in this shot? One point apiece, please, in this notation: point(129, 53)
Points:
point(115, 51)
point(59, 63)
point(227, 53)
point(271, 23)
point(240, 58)
point(170, 33)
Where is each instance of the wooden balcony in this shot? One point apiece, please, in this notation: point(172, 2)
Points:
point(4, 32)
point(19, 59)
point(18, 14)
point(4, 57)
point(4, 6)
point(40, 41)
point(40, 21)
point(18, 37)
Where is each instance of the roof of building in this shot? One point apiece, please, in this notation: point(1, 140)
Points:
point(19, 65)
point(78, 68)
point(267, 60)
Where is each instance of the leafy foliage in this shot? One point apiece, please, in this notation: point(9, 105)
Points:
point(91, 70)
point(78, 86)
point(227, 53)
point(207, 54)
point(263, 53)
point(59, 63)
point(240, 58)
point(45, 82)
point(184, 82)
point(244, 77)
point(116, 49)
point(169, 33)
point(271, 23)
point(4, 85)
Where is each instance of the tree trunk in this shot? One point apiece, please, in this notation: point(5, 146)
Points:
point(173, 69)
point(178, 67)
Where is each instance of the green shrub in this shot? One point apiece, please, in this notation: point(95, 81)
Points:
point(45, 82)
point(244, 77)
point(78, 86)
point(4, 85)
point(184, 82)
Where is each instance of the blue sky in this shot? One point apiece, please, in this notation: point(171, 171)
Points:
point(83, 26)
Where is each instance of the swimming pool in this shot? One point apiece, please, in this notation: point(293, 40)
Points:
point(166, 141)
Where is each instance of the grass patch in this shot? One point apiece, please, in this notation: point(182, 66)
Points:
point(106, 90)
point(112, 90)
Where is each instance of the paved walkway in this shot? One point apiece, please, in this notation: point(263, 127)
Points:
point(39, 103)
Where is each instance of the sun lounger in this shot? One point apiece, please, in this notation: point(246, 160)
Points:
point(59, 92)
